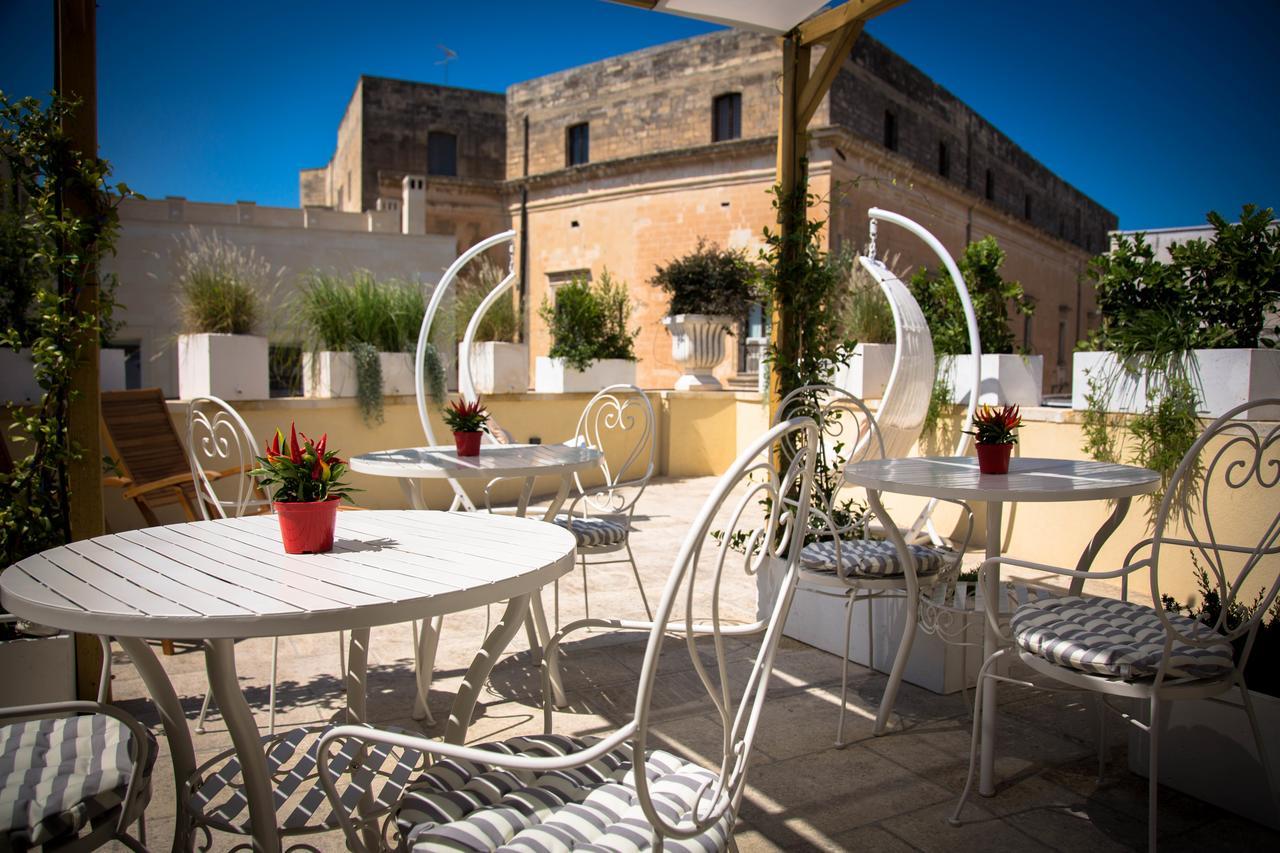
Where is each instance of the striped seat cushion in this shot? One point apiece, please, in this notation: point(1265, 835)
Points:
point(870, 558)
point(1115, 638)
point(58, 775)
point(596, 531)
point(460, 805)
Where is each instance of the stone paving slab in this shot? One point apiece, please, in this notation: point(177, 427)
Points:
point(890, 793)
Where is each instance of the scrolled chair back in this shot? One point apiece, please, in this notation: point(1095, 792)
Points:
point(754, 518)
point(1221, 515)
point(220, 442)
point(618, 421)
point(849, 433)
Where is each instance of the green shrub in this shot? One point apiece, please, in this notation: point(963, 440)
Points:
point(708, 280)
point(500, 322)
point(991, 295)
point(221, 286)
point(589, 322)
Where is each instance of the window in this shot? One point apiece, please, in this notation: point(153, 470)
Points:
point(991, 185)
point(442, 153)
point(890, 130)
point(944, 160)
point(556, 279)
point(577, 145)
point(726, 117)
point(1026, 206)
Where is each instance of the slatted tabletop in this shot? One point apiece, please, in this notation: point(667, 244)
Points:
point(231, 578)
point(495, 460)
point(1028, 479)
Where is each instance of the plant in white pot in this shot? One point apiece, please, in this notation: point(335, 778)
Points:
point(220, 289)
point(591, 346)
point(709, 290)
point(498, 364)
point(360, 334)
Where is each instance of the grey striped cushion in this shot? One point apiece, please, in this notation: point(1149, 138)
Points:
point(459, 805)
point(597, 530)
point(870, 558)
point(57, 775)
point(1114, 638)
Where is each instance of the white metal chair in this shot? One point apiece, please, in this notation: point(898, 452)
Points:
point(619, 418)
point(617, 791)
point(218, 439)
point(1117, 648)
point(75, 775)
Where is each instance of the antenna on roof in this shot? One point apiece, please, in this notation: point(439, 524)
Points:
point(449, 56)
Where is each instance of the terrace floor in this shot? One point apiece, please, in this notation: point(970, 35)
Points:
point(889, 793)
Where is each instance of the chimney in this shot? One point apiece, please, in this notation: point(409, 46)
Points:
point(413, 212)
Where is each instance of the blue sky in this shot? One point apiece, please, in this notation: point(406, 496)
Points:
point(1159, 109)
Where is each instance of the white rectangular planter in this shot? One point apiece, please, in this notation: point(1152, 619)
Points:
point(818, 620)
point(397, 373)
point(18, 381)
point(1005, 379)
point(1207, 751)
point(553, 376)
point(498, 368)
point(328, 374)
point(1227, 378)
point(38, 669)
point(233, 367)
point(866, 373)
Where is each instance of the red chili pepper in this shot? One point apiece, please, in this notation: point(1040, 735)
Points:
point(295, 452)
point(320, 445)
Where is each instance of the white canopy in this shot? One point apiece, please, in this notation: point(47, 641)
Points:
point(767, 16)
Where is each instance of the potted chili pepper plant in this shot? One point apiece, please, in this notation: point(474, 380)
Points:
point(305, 478)
point(468, 421)
point(994, 431)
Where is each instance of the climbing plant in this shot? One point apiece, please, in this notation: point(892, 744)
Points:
point(49, 251)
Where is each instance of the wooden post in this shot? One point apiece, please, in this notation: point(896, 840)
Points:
point(75, 76)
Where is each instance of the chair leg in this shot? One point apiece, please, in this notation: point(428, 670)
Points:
point(342, 657)
point(1102, 738)
point(586, 600)
point(166, 647)
point(204, 709)
point(954, 820)
point(844, 670)
point(1153, 772)
point(555, 599)
point(635, 570)
point(271, 697)
point(899, 664)
point(1265, 757)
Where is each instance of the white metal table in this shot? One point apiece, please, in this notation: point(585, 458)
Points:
point(412, 465)
point(219, 581)
point(1038, 480)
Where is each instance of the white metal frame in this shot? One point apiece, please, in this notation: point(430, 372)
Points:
point(1229, 563)
point(617, 413)
point(771, 545)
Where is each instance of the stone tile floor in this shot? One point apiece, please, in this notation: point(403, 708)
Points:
point(888, 793)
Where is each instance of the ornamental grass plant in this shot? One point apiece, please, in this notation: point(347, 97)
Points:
point(500, 322)
point(221, 287)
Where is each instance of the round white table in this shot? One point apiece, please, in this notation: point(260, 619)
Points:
point(1029, 479)
point(219, 581)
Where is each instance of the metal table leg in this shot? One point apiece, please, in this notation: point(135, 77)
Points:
point(990, 644)
point(428, 641)
point(1099, 539)
point(909, 623)
point(465, 703)
point(175, 728)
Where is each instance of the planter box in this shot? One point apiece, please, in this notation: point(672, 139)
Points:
point(553, 376)
point(941, 667)
point(1227, 378)
point(1009, 380)
point(498, 368)
point(18, 382)
point(328, 374)
point(866, 374)
point(397, 373)
point(1207, 750)
point(38, 669)
point(233, 367)
point(697, 346)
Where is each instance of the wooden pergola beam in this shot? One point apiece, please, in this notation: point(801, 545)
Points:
point(820, 80)
point(823, 26)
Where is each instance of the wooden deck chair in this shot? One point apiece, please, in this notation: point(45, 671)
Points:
point(153, 467)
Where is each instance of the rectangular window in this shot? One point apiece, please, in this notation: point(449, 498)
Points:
point(944, 160)
point(577, 145)
point(726, 117)
point(442, 153)
point(1026, 206)
point(890, 130)
point(556, 279)
point(991, 185)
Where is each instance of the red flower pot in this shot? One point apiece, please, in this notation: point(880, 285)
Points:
point(994, 458)
point(307, 528)
point(468, 443)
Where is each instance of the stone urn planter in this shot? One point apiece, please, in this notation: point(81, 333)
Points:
point(866, 374)
point(697, 345)
point(1227, 378)
point(552, 375)
point(1005, 379)
point(233, 367)
point(498, 368)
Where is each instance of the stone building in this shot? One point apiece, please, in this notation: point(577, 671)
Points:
point(626, 163)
